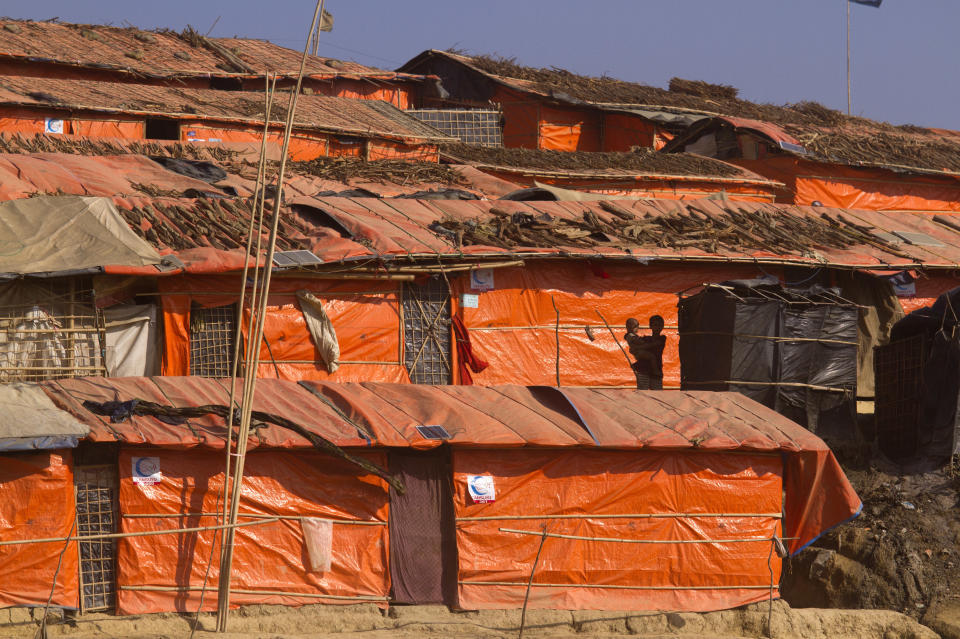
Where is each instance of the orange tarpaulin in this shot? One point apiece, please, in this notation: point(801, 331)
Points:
point(856, 188)
point(514, 326)
point(929, 288)
point(37, 501)
point(268, 557)
point(364, 313)
point(495, 564)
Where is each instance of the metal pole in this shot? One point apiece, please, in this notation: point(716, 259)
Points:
point(849, 100)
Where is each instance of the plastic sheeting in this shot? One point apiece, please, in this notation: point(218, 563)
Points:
point(32, 421)
point(321, 330)
point(54, 234)
point(513, 327)
point(36, 501)
point(640, 576)
point(268, 557)
point(131, 340)
point(365, 315)
point(857, 188)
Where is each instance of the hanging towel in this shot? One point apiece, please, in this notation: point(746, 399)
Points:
point(466, 360)
point(318, 536)
point(321, 330)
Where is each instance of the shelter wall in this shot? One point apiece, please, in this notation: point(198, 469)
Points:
point(514, 327)
point(364, 313)
point(32, 121)
point(839, 186)
point(267, 557)
point(661, 189)
point(37, 501)
point(571, 489)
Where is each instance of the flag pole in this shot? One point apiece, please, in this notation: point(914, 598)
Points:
point(849, 101)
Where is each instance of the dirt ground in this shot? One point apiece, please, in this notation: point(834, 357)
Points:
point(902, 553)
point(409, 622)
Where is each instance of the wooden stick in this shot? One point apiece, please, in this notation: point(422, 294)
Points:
point(624, 516)
point(614, 335)
point(612, 586)
point(642, 541)
point(146, 533)
point(556, 334)
point(533, 569)
point(353, 522)
point(243, 591)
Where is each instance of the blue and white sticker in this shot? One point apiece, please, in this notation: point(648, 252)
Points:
point(146, 470)
point(481, 279)
point(51, 125)
point(481, 489)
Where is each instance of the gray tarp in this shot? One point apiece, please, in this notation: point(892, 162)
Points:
point(30, 421)
point(67, 233)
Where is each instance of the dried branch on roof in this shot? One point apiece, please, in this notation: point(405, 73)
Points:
point(90, 146)
point(396, 171)
point(218, 223)
point(735, 230)
point(877, 147)
point(642, 161)
point(683, 94)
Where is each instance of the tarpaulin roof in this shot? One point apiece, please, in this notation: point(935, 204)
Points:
point(381, 414)
point(917, 151)
point(828, 133)
point(602, 166)
point(363, 118)
point(54, 234)
point(164, 53)
point(207, 234)
point(30, 421)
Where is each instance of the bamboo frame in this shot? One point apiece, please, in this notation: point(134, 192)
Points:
point(829, 389)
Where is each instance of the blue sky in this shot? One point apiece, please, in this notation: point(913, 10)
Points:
point(778, 51)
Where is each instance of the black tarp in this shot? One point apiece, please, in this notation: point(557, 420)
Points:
point(933, 334)
point(781, 347)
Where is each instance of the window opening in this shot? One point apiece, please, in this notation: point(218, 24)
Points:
point(212, 331)
point(426, 332)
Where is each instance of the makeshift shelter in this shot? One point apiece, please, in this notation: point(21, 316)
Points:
point(793, 350)
point(640, 174)
point(846, 165)
point(324, 126)
point(53, 49)
point(918, 383)
point(546, 114)
point(701, 474)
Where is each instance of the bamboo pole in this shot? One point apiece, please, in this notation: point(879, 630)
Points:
point(245, 591)
point(352, 522)
point(611, 586)
point(226, 564)
point(526, 597)
point(145, 533)
point(642, 541)
point(623, 516)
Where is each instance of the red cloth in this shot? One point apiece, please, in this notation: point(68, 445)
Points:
point(466, 360)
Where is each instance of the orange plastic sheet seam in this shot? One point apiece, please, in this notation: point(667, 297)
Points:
point(270, 557)
point(576, 492)
point(37, 501)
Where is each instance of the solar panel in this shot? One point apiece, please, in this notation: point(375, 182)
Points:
point(919, 239)
point(795, 148)
point(889, 238)
point(433, 432)
point(295, 258)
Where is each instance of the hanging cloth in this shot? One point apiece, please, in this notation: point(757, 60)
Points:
point(466, 360)
point(321, 330)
